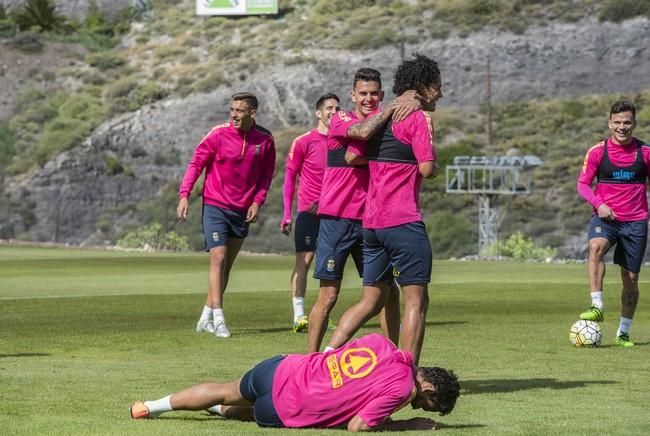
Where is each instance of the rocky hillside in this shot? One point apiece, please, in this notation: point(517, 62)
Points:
point(88, 193)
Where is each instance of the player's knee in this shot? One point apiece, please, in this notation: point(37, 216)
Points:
point(597, 248)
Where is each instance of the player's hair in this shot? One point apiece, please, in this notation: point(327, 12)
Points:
point(622, 106)
point(321, 101)
point(248, 97)
point(447, 387)
point(416, 73)
point(366, 75)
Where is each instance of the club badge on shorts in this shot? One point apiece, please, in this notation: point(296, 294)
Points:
point(331, 264)
point(215, 236)
point(308, 241)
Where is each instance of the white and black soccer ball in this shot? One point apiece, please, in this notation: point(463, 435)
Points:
point(585, 334)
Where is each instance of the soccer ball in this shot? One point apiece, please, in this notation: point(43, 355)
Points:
point(585, 334)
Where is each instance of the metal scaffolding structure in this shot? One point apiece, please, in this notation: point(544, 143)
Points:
point(488, 177)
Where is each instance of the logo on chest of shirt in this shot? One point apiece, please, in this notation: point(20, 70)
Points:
point(354, 363)
point(623, 175)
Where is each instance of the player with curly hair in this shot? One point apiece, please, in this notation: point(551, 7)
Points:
point(357, 386)
point(400, 155)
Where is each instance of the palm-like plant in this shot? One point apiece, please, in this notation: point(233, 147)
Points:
point(41, 13)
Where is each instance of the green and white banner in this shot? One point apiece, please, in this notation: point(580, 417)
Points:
point(236, 7)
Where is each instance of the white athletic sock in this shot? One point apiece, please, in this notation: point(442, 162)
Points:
point(215, 409)
point(159, 406)
point(597, 299)
point(207, 313)
point(217, 315)
point(624, 326)
point(298, 307)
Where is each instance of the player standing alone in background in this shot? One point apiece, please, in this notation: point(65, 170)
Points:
point(307, 160)
point(395, 240)
point(239, 160)
point(357, 386)
point(621, 164)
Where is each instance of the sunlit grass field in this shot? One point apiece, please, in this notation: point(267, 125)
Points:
point(84, 333)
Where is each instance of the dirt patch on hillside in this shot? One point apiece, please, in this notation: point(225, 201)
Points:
point(20, 71)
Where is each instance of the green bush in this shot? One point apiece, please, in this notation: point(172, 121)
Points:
point(451, 234)
point(520, 247)
point(7, 144)
point(40, 14)
point(149, 92)
point(212, 81)
point(621, 10)
point(105, 60)
point(122, 88)
point(153, 237)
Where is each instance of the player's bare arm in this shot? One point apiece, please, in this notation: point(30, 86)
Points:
point(356, 424)
point(606, 213)
point(252, 213)
point(365, 129)
point(182, 208)
point(429, 169)
point(354, 159)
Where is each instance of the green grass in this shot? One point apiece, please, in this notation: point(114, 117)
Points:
point(84, 333)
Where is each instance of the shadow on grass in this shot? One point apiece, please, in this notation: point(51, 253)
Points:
point(636, 344)
point(506, 385)
point(441, 426)
point(428, 323)
point(2, 356)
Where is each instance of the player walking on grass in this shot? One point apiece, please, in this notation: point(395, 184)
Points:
point(343, 196)
point(396, 243)
point(621, 165)
point(358, 386)
point(239, 159)
point(307, 160)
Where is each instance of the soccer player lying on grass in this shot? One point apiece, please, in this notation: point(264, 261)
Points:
point(357, 386)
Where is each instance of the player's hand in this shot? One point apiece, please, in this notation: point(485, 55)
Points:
point(313, 209)
point(406, 104)
point(606, 213)
point(285, 227)
point(182, 208)
point(253, 211)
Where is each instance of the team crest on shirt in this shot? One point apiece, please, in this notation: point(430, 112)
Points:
point(331, 264)
point(258, 148)
point(354, 363)
point(215, 236)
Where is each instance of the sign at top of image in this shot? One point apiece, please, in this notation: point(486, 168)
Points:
point(236, 7)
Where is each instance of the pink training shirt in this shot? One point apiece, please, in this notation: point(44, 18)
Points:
point(394, 191)
point(628, 201)
point(344, 189)
point(238, 167)
point(368, 377)
point(307, 160)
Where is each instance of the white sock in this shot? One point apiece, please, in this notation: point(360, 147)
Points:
point(597, 299)
point(328, 348)
point(624, 326)
point(217, 315)
point(207, 313)
point(159, 406)
point(298, 307)
point(215, 409)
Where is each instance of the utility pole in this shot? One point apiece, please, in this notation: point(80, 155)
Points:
point(489, 103)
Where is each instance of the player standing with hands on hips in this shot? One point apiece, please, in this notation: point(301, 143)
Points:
point(621, 165)
point(239, 160)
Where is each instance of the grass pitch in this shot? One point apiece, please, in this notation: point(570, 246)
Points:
point(84, 333)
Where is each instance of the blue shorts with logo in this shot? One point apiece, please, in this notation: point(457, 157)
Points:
point(404, 251)
point(629, 237)
point(256, 386)
point(306, 231)
point(337, 239)
point(220, 224)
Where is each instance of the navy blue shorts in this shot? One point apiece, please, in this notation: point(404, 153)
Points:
point(256, 386)
point(220, 224)
point(404, 250)
point(629, 237)
point(337, 239)
point(306, 231)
